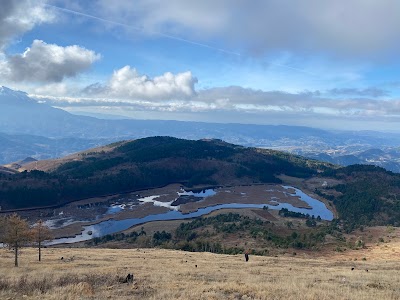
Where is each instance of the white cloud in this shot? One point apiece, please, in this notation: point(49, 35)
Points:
point(233, 100)
point(127, 83)
point(47, 63)
point(52, 89)
point(20, 16)
point(353, 28)
point(175, 15)
point(40, 63)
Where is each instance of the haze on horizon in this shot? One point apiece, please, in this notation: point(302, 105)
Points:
point(310, 63)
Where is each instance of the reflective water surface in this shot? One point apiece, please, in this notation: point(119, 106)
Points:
point(318, 208)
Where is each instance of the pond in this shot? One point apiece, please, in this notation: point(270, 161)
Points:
point(318, 208)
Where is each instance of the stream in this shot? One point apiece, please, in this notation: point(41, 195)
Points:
point(110, 226)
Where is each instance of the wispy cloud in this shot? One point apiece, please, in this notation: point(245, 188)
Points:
point(368, 92)
point(142, 29)
point(230, 100)
point(151, 29)
point(350, 28)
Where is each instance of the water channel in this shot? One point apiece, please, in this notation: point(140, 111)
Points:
point(317, 208)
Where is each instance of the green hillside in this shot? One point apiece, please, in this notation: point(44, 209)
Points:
point(369, 195)
point(366, 195)
point(148, 163)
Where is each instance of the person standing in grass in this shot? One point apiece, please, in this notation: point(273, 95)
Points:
point(246, 255)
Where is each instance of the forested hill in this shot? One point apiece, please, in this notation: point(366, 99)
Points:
point(146, 163)
point(368, 195)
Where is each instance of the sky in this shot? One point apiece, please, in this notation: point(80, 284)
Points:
point(323, 64)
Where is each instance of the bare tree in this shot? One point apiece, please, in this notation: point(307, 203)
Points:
point(40, 234)
point(16, 233)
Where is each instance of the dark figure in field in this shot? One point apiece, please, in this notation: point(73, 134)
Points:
point(246, 256)
point(129, 278)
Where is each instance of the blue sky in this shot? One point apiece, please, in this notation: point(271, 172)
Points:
point(310, 62)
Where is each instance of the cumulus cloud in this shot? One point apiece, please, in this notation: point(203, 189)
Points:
point(44, 62)
point(20, 16)
point(127, 83)
point(353, 28)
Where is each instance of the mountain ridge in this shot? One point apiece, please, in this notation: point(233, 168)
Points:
point(148, 163)
point(26, 120)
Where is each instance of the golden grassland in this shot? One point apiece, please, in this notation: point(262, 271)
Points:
point(85, 273)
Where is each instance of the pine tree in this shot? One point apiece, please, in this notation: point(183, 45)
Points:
point(16, 234)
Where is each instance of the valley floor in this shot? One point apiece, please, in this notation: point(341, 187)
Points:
point(85, 273)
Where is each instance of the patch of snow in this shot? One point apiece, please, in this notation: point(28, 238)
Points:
point(151, 199)
point(65, 222)
point(115, 208)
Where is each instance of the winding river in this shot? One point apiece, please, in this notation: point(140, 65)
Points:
point(112, 226)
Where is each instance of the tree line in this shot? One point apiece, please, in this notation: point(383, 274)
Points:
point(204, 235)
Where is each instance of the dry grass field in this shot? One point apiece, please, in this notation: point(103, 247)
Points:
point(166, 274)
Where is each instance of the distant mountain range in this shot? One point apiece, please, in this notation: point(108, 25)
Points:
point(16, 147)
point(388, 157)
point(32, 129)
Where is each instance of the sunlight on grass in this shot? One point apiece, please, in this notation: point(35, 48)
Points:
point(167, 274)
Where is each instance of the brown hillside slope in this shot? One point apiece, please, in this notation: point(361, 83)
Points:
point(5, 170)
point(52, 164)
point(167, 274)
